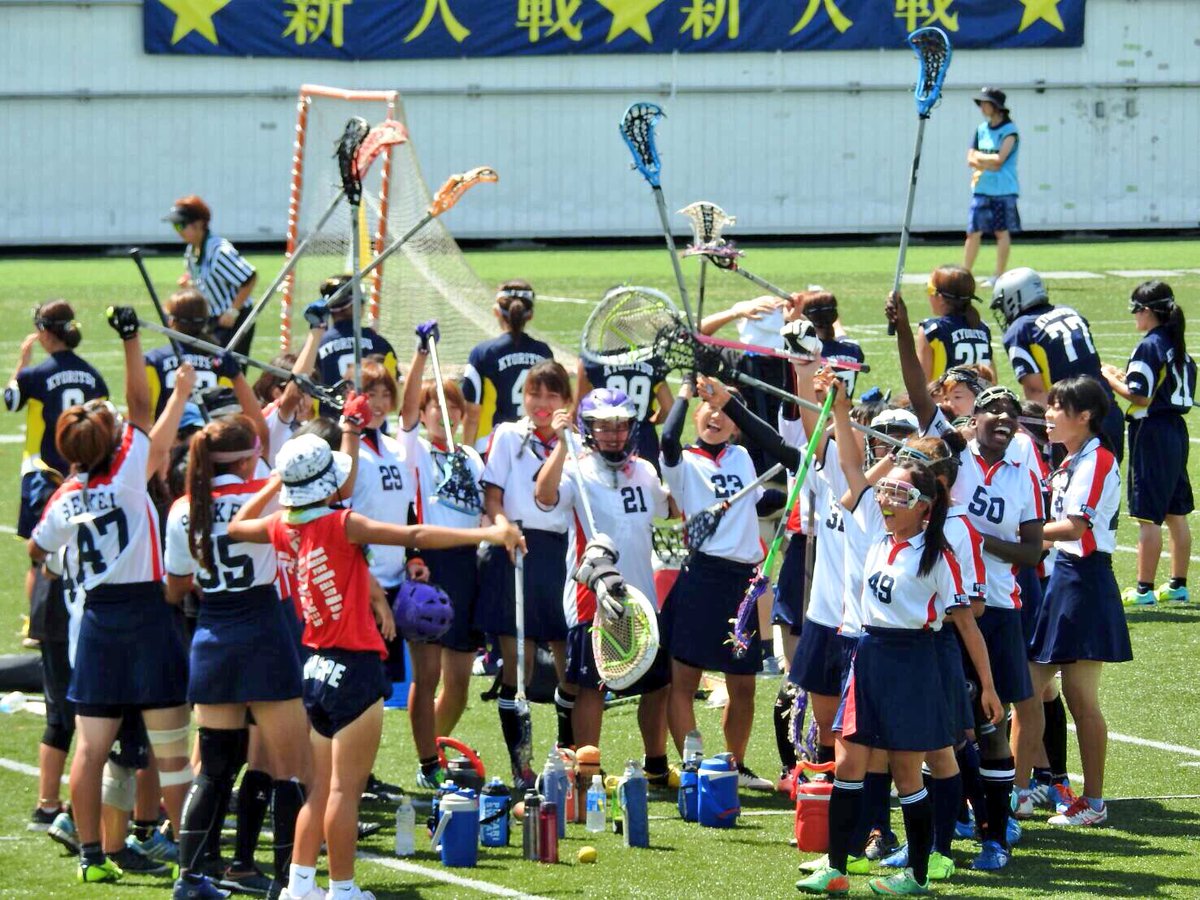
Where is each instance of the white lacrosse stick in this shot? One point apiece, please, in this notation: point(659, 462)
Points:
point(707, 220)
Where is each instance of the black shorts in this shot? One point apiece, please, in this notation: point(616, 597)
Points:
point(697, 612)
point(456, 571)
point(788, 608)
point(340, 685)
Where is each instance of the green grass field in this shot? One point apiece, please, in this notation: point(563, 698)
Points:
point(1151, 844)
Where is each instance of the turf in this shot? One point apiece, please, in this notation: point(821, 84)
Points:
point(1147, 851)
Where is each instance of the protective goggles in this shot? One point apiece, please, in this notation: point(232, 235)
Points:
point(1162, 307)
point(996, 394)
point(898, 494)
point(966, 377)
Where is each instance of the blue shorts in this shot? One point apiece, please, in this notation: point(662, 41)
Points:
point(244, 649)
point(698, 611)
point(1158, 476)
point(37, 487)
point(954, 680)
point(1004, 636)
point(130, 651)
point(788, 608)
point(894, 699)
point(821, 660)
point(456, 572)
point(992, 214)
point(545, 575)
point(581, 666)
point(340, 685)
point(1081, 616)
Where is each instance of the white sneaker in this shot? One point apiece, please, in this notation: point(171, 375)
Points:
point(317, 893)
point(1080, 813)
point(752, 782)
point(1022, 804)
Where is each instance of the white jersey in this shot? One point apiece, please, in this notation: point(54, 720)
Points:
point(1086, 486)
point(513, 463)
point(1021, 449)
point(792, 431)
point(894, 594)
point(61, 565)
point(855, 544)
point(426, 461)
point(115, 535)
point(239, 566)
point(278, 430)
point(700, 480)
point(998, 499)
point(825, 599)
point(625, 502)
point(967, 545)
point(384, 490)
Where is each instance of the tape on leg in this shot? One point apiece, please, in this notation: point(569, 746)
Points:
point(171, 779)
point(169, 742)
point(119, 788)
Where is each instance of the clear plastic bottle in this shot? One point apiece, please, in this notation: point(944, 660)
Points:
point(406, 823)
point(595, 805)
point(693, 749)
point(12, 702)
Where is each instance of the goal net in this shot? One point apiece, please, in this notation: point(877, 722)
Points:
point(428, 278)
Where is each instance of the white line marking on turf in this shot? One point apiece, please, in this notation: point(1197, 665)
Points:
point(7, 529)
point(1143, 742)
point(579, 301)
point(1069, 275)
point(1123, 549)
point(12, 438)
point(474, 884)
point(1144, 273)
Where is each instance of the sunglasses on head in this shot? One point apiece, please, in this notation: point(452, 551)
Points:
point(178, 226)
point(898, 494)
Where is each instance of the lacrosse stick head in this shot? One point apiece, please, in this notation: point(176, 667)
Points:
point(746, 621)
point(457, 185)
point(458, 488)
point(346, 150)
point(625, 647)
point(932, 48)
point(668, 546)
point(680, 351)
point(626, 323)
point(703, 525)
point(721, 253)
point(637, 128)
point(707, 220)
point(386, 134)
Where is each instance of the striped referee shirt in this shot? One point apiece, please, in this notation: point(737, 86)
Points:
point(218, 272)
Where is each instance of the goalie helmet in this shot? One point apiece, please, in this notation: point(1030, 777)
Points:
point(423, 611)
point(603, 404)
point(1016, 291)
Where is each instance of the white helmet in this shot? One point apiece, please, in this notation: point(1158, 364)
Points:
point(1016, 291)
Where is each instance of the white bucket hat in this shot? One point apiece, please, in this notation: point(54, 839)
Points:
point(310, 470)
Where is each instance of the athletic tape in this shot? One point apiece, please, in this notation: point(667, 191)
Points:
point(171, 779)
point(169, 742)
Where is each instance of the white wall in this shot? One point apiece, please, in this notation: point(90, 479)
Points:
point(96, 137)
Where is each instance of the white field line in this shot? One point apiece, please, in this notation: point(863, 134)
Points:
point(474, 884)
point(1143, 742)
point(1121, 548)
point(578, 301)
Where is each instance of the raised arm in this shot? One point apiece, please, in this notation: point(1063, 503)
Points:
point(410, 403)
point(745, 309)
point(847, 446)
point(139, 413)
point(162, 435)
point(670, 444)
point(910, 364)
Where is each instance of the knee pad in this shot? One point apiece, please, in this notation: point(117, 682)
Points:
point(221, 753)
point(168, 743)
point(119, 787)
point(59, 736)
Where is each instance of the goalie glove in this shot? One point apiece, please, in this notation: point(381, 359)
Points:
point(316, 314)
point(598, 573)
point(800, 335)
point(124, 321)
point(427, 332)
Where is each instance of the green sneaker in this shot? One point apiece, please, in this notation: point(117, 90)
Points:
point(855, 865)
point(826, 881)
point(94, 874)
point(902, 884)
point(940, 867)
point(1132, 597)
point(1168, 594)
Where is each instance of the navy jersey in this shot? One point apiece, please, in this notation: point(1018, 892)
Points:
point(639, 382)
point(956, 342)
point(844, 349)
point(1054, 342)
point(161, 366)
point(495, 380)
point(1154, 372)
point(335, 353)
point(60, 381)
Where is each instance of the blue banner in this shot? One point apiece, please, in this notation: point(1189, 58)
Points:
point(422, 29)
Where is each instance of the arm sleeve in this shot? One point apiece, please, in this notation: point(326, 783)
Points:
point(669, 444)
point(1017, 341)
point(762, 435)
point(18, 391)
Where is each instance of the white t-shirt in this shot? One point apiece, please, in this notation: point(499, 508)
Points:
point(516, 457)
point(700, 480)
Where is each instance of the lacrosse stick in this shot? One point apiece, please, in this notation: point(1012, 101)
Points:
point(346, 152)
point(700, 527)
point(724, 255)
point(747, 614)
point(933, 51)
point(443, 201)
point(625, 647)
point(380, 137)
point(325, 394)
point(136, 254)
point(458, 488)
point(524, 749)
point(707, 220)
point(637, 128)
point(668, 546)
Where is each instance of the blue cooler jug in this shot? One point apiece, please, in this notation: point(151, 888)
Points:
point(457, 834)
point(718, 805)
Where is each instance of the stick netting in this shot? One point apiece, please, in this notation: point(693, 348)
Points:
point(932, 47)
point(625, 647)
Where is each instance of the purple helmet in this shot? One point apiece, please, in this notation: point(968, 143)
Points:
point(603, 404)
point(423, 611)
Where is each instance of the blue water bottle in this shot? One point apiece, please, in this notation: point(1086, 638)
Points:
point(718, 805)
point(634, 794)
point(552, 785)
point(689, 793)
point(493, 814)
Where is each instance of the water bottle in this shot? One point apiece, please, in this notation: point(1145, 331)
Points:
point(595, 805)
point(406, 823)
point(693, 749)
point(587, 764)
point(447, 788)
point(549, 821)
point(493, 814)
point(12, 702)
point(552, 784)
point(613, 784)
point(634, 793)
point(530, 825)
point(573, 803)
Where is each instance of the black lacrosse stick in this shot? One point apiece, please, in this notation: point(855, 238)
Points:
point(680, 351)
point(346, 151)
point(459, 488)
point(668, 546)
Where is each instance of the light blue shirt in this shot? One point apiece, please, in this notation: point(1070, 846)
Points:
point(1004, 180)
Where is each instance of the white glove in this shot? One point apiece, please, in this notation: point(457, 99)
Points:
point(610, 601)
point(598, 573)
point(800, 335)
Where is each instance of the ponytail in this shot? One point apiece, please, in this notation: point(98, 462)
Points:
point(927, 483)
point(1158, 297)
point(1178, 325)
point(514, 299)
point(214, 450)
point(58, 318)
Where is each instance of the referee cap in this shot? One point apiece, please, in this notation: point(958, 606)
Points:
point(187, 210)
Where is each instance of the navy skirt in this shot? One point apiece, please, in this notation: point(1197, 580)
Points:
point(456, 571)
point(894, 699)
point(954, 680)
point(698, 612)
point(821, 660)
point(1004, 636)
point(1081, 616)
point(244, 649)
point(788, 608)
point(545, 575)
point(1031, 602)
point(130, 651)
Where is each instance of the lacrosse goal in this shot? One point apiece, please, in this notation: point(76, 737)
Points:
point(427, 278)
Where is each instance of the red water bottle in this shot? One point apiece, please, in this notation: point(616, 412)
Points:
point(548, 833)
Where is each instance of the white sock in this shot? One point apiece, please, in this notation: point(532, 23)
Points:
point(339, 889)
point(301, 880)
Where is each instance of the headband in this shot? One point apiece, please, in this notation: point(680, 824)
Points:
point(516, 294)
point(222, 457)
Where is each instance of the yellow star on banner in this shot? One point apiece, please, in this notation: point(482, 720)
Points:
point(194, 15)
point(630, 15)
point(1036, 10)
